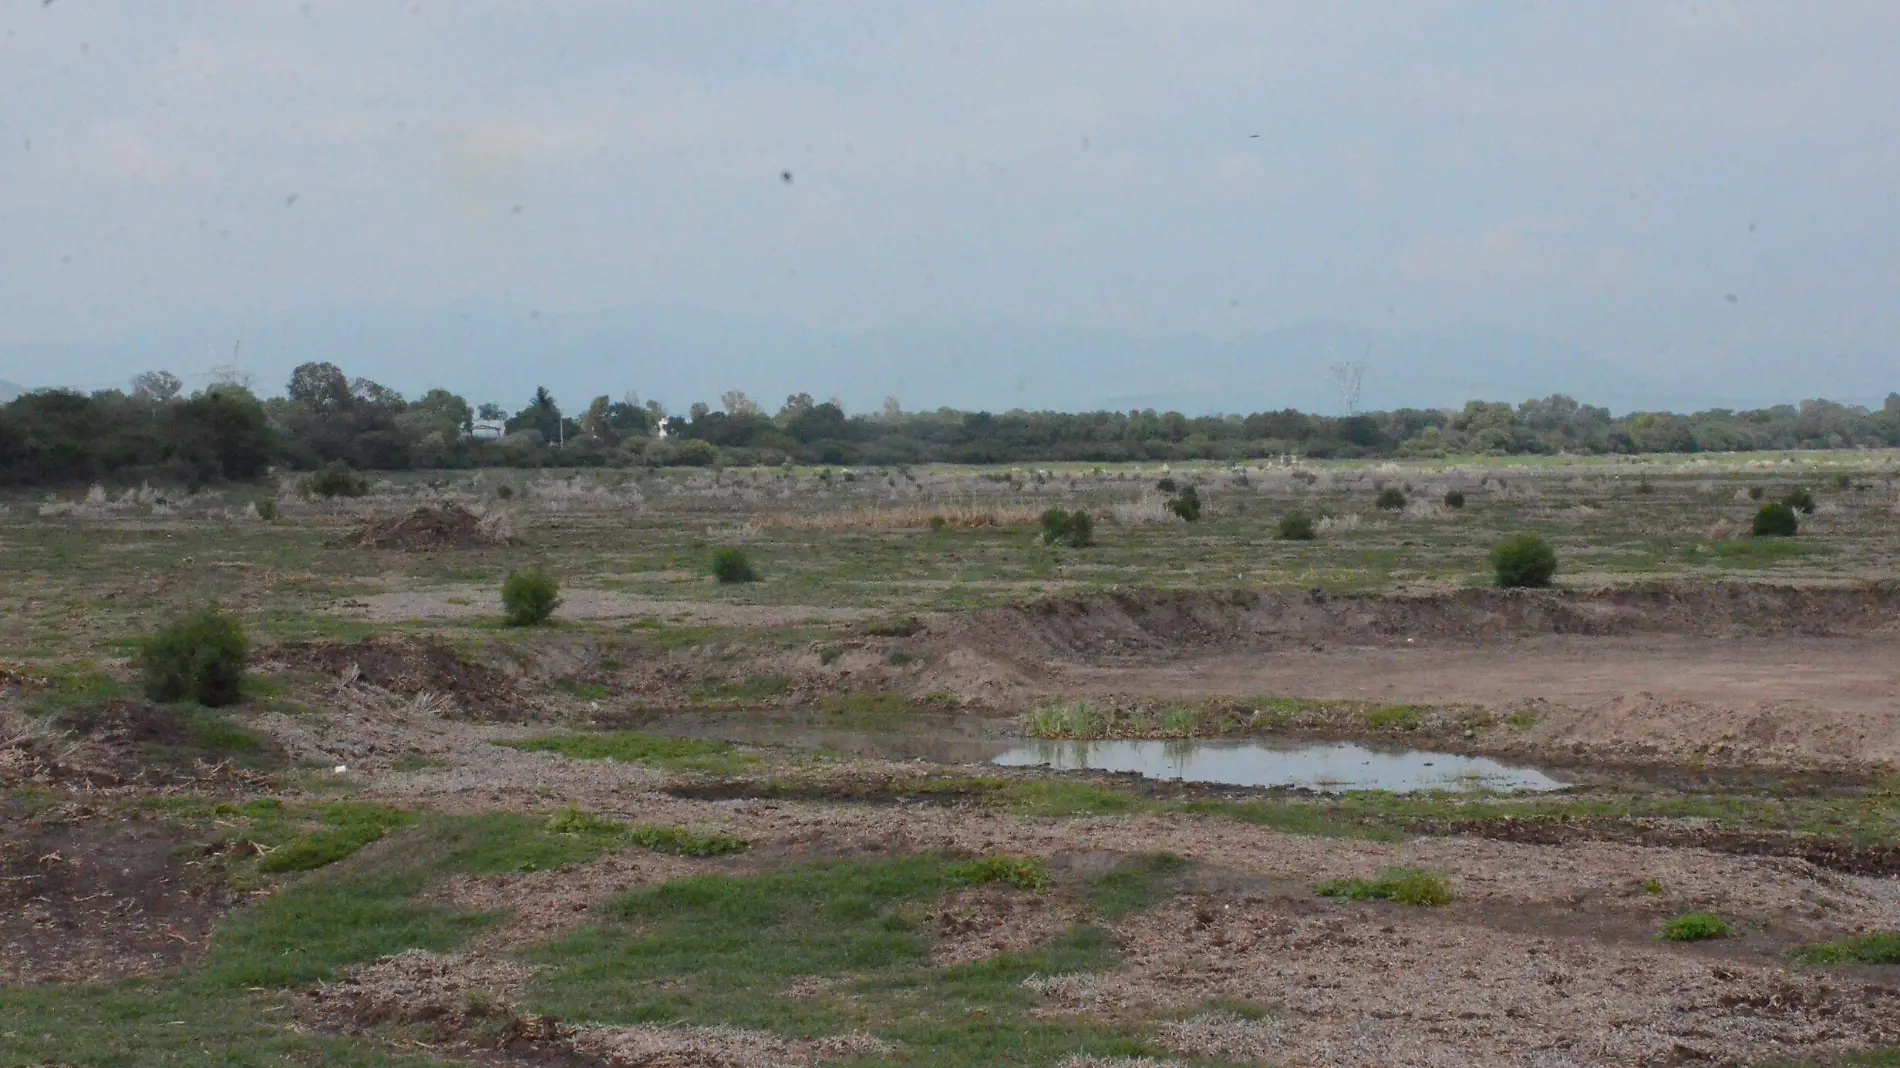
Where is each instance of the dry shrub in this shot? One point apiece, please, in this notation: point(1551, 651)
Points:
point(433, 526)
point(1149, 511)
point(1337, 524)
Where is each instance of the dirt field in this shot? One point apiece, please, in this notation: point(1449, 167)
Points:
point(690, 823)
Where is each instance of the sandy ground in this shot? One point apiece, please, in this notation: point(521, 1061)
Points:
point(1761, 701)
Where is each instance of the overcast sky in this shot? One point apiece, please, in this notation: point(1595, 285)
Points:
point(1665, 183)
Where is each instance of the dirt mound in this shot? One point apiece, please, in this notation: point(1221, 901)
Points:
point(431, 527)
point(1133, 625)
point(410, 668)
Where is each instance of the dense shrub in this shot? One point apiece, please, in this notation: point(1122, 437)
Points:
point(731, 565)
point(266, 510)
point(1754, 493)
point(529, 598)
point(1454, 499)
point(1525, 560)
point(335, 479)
point(505, 491)
point(1166, 485)
point(1390, 498)
point(1074, 529)
point(1297, 526)
point(1776, 521)
point(1800, 500)
point(201, 656)
point(1187, 504)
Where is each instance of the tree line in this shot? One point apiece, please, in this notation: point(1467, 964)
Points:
point(153, 431)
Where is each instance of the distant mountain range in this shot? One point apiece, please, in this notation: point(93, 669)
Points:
point(487, 351)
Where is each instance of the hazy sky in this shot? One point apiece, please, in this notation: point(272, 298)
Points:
point(1662, 182)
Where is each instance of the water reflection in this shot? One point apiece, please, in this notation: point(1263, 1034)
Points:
point(1330, 766)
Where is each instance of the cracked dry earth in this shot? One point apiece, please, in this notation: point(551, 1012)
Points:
point(1548, 956)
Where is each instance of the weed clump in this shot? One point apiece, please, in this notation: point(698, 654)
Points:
point(201, 656)
point(1297, 526)
point(1454, 499)
point(1754, 493)
point(730, 565)
point(1881, 948)
point(684, 843)
point(1187, 505)
point(1694, 927)
point(529, 598)
point(1074, 529)
point(336, 479)
point(1391, 499)
point(1776, 521)
point(266, 510)
point(1800, 500)
point(1402, 886)
point(1023, 873)
point(1524, 561)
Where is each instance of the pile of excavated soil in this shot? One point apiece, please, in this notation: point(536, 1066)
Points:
point(431, 527)
point(409, 667)
point(1136, 625)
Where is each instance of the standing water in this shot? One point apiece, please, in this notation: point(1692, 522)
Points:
point(1331, 767)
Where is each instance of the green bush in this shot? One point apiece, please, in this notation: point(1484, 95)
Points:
point(1776, 521)
point(1842, 480)
point(1879, 948)
point(1800, 500)
point(1074, 529)
point(1297, 526)
point(528, 598)
point(266, 510)
point(1166, 485)
point(201, 656)
point(1403, 886)
point(1754, 493)
point(1525, 560)
point(335, 479)
point(505, 491)
point(1187, 505)
point(1454, 499)
point(731, 565)
point(1693, 927)
point(1391, 499)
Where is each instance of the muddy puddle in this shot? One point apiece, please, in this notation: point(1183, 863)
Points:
point(1330, 767)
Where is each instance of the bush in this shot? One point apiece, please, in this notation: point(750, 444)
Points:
point(1297, 526)
point(1800, 500)
point(335, 479)
point(528, 598)
point(505, 491)
point(731, 565)
point(1754, 493)
point(1403, 886)
point(266, 510)
point(1526, 560)
point(1074, 529)
point(201, 656)
point(1391, 498)
point(1694, 927)
point(1166, 485)
point(1187, 505)
point(1454, 499)
point(1842, 480)
point(1776, 521)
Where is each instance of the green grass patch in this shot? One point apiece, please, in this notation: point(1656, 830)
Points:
point(635, 747)
point(1694, 927)
point(1881, 948)
point(1394, 718)
point(1137, 884)
point(724, 949)
point(214, 1012)
point(1401, 886)
point(346, 829)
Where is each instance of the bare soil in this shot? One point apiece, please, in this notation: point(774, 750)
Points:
point(409, 667)
point(89, 901)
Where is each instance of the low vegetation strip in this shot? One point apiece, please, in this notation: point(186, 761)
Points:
point(1880, 948)
point(635, 747)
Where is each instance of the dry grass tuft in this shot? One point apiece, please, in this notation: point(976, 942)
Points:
point(917, 516)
